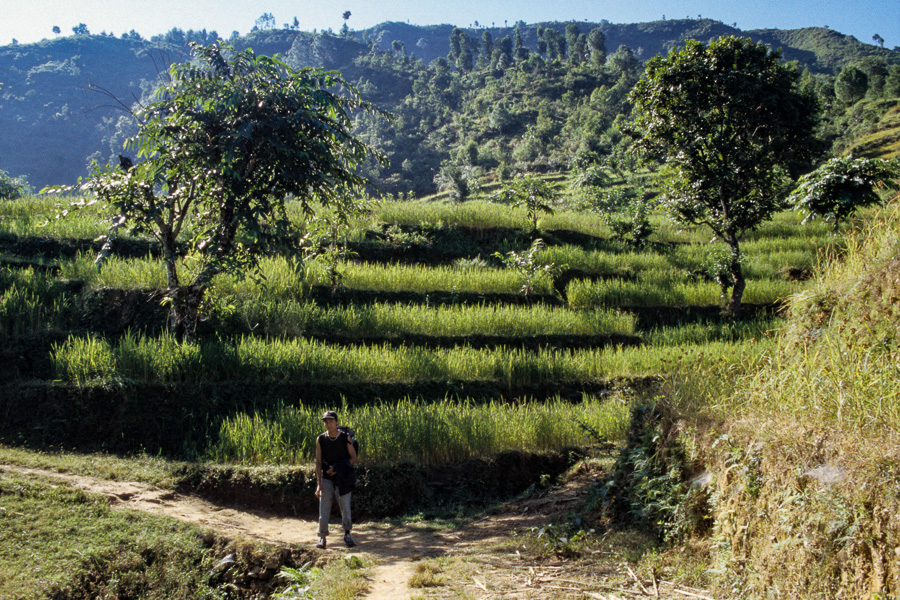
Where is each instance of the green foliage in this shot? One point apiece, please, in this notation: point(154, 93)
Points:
point(299, 582)
point(841, 186)
point(61, 542)
point(526, 264)
point(564, 540)
point(851, 85)
point(650, 480)
point(12, 187)
point(728, 119)
point(631, 224)
point(459, 181)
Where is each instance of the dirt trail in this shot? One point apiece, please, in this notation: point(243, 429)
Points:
point(395, 548)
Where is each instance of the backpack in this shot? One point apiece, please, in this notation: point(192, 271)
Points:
point(352, 436)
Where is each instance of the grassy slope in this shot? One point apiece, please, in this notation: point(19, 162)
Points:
point(61, 542)
point(804, 455)
point(884, 139)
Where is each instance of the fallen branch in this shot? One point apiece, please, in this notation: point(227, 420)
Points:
point(561, 587)
point(638, 581)
point(691, 594)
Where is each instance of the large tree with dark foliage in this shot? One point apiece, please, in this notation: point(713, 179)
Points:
point(223, 145)
point(726, 119)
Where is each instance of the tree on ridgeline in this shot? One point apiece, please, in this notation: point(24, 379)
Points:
point(727, 120)
point(224, 143)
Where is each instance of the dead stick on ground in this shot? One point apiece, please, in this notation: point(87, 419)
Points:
point(620, 590)
point(635, 577)
point(691, 594)
point(561, 587)
point(655, 587)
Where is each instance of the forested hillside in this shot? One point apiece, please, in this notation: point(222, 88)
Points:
point(487, 100)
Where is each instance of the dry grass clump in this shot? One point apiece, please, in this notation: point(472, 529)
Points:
point(426, 574)
point(804, 511)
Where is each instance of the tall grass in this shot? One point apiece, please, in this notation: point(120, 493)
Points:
point(838, 360)
point(30, 301)
point(165, 359)
point(294, 318)
point(425, 433)
point(661, 291)
point(423, 279)
point(50, 216)
point(118, 273)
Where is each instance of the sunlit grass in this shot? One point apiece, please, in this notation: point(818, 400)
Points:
point(165, 359)
point(662, 291)
point(295, 318)
point(441, 432)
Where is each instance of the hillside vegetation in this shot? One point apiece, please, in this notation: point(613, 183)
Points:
point(76, 90)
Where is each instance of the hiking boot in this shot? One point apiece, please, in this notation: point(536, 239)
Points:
point(321, 544)
point(349, 541)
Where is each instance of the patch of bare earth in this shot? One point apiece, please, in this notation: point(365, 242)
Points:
point(489, 562)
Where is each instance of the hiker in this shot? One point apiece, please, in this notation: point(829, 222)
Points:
point(335, 457)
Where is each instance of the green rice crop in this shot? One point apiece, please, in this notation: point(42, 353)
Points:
point(601, 261)
point(117, 273)
point(51, 216)
point(293, 318)
point(82, 360)
point(479, 214)
point(165, 359)
point(702, 333)
point(663, 291)
point(422, 279)
point(30, 302)
point(425, 433)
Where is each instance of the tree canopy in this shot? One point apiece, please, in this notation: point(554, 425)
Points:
point(727, 119)
point(223, 145)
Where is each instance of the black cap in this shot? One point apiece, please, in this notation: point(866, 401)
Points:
point(329, 414)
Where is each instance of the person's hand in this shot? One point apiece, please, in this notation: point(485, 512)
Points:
point(318, 491)
point(331, 471)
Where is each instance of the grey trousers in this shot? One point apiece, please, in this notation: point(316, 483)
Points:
point(329, 494)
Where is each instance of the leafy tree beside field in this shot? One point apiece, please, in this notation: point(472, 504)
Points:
point(224, 144)
point(728, 120)
point(839, 187)
point(12, 187)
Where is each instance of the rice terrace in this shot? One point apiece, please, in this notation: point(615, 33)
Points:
point(612, 310)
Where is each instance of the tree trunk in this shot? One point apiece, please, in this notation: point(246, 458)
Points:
point(737, 277)
point(184, 312)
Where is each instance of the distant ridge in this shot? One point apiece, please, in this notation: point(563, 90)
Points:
point(52, 124)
